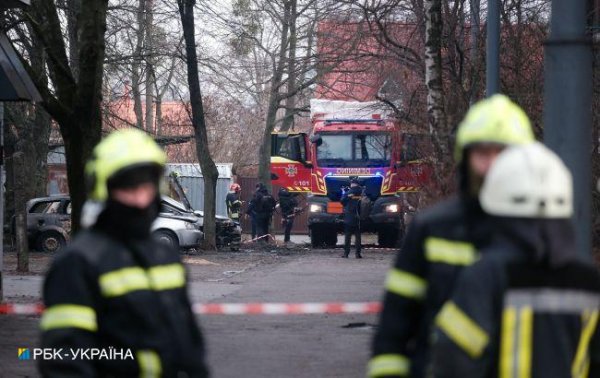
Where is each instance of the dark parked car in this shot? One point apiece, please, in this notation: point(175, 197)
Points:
point(48, 222)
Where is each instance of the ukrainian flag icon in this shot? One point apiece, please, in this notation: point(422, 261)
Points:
point(23, 354)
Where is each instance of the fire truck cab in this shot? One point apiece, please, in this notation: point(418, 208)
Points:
point(348, 140)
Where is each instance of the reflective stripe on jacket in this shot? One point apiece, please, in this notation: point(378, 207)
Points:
point(439, 243)
point(511, 318)
point(102, 294)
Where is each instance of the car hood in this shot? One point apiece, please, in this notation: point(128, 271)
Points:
point(184, 217)
point(218, 217)
point(176, 204)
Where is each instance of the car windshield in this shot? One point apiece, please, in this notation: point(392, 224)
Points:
point(355, 150)
point(46, 207)
point(173, 203)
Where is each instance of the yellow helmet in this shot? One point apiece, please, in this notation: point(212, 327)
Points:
point(494, 120)
point(120, 151)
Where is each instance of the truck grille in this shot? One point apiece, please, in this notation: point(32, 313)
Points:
point(334, 186)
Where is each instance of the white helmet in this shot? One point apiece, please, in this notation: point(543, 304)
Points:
point(528, 181)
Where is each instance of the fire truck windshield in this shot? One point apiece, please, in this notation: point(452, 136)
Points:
point(355, 150)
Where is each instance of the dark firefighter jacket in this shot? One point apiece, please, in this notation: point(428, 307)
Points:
point(351, 202)
point(234, 205)
point(287, 203)
point(439, 243)
point(528, 308)
point(262, 204)
point(101, 293)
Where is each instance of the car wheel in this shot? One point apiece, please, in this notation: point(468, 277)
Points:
point(166, 238)
point(50, 241)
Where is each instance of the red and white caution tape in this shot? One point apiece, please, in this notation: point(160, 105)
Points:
point(239, 308)
point(21, 309)
point(287, 308)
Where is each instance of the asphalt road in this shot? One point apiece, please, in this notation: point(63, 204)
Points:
point(255, 345)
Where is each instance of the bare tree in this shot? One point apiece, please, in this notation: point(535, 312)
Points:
point(209, 169)
point(74, 93)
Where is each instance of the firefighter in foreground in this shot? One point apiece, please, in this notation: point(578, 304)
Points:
point(529, 307)
point(234, 202)
point(441, 241)
point(113, 288)
point(351, 201)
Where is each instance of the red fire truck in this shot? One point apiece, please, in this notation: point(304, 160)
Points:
point(350, 139)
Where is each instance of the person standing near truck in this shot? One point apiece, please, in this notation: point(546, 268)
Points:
point(351, 201)
point(287, 205)
point(263, 205)
point(441, 241)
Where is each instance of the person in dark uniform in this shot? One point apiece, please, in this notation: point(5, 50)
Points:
point(529, 307)
point(114, 289)
point(263, 206)
point(441, 241)
point(287, 205)
point(251, 212)
point(351, 202)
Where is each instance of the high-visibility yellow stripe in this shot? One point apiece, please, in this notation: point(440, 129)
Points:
point(149, 363)
point(167, 277)
point(525, 342)
point(123, 281)
point(507, 342)
point(388, 364)
point(581, 363)
point(280, 159)
point(463, 330)
point(451, 252)
point(69, 316)
point(406, 284)
point(126, 280)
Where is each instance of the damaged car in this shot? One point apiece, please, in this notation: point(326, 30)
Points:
point(49, 224)
point(229, 233)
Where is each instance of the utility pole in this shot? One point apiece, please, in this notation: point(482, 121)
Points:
point(1, 199)
point(475, 24)
point(568, 105)
point(492, 51)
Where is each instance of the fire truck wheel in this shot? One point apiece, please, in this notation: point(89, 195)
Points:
point(387, 238)
point(330, 239)
point(317, 238)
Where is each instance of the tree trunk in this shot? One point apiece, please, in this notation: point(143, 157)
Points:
point(136, 67)
point(73, 102)
point(290, 102)
point(26, 133)
point(209, 169)
point(475, 6)
point(160, 93)
point(148, 30)
point(433, 66)
point(264, 167)
point(434, 84)
point(18, 160)
point(158, 114)
point(73, 16)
